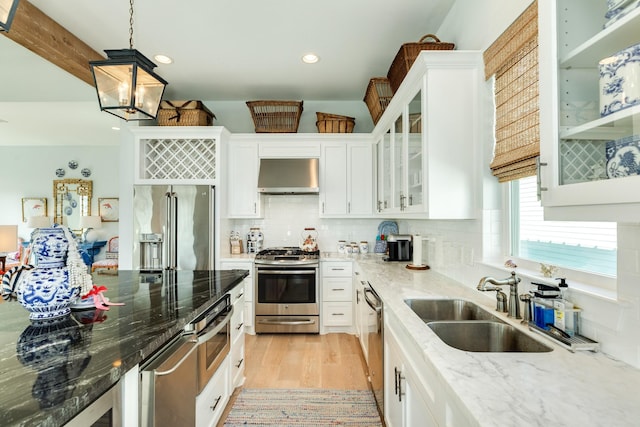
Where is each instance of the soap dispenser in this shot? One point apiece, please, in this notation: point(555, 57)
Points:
point(563, 310)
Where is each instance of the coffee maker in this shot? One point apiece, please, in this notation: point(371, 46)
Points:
point(399, 247)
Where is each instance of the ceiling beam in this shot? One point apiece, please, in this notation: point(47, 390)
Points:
point(42, 35)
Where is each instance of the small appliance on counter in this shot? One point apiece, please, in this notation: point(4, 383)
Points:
point(399, 247)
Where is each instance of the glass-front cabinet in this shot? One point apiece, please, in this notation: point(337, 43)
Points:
point(428, 138)
point(589, 107)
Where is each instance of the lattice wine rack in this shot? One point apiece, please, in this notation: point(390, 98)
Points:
point(179, 158)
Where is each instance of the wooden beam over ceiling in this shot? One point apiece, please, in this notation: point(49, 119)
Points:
point(42, 35)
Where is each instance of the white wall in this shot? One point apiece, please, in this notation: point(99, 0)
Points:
point(30, 171)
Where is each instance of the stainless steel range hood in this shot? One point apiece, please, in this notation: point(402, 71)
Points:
point(288, 176)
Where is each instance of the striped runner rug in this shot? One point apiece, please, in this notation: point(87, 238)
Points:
point(303, 408)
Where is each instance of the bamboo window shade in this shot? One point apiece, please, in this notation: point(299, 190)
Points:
point(513, 60)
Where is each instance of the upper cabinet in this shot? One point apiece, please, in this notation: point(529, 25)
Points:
point(589, 110)
point(347, 177)
point(429, 137)
point(178, 154)
point(243, 199)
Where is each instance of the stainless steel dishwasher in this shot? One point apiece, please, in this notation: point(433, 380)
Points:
point(171, 380)
point(375, 331)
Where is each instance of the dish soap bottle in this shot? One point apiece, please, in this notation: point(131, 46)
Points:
point(563, 311)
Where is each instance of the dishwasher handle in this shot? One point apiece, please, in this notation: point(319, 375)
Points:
point(375, 306)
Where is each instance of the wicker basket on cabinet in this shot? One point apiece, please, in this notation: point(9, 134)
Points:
point(407, 55)
point(275, 116)
point(334, 123)
point(377, 97)
point(184, 113)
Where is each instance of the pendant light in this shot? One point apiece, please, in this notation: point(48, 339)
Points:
point(126, 84)
point(7, 12)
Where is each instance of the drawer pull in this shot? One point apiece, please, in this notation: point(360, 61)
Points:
point(240, 295)
point(337, 289)
point(337, 314)
point(239, 363)
point(337, 269)
point(215, 404)
point(239, 326)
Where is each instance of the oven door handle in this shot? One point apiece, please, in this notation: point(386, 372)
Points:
point(206, 335)
point(287, 322)
point(287, 271)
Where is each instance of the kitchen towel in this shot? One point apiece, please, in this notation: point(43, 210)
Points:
point(417, 250)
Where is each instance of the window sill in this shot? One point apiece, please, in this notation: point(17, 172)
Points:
point(575, 286)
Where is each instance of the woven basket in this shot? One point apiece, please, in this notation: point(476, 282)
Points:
point(377, 97)
point(184, 113)
point(407, 55)
point(275, 116)
point(334, 123)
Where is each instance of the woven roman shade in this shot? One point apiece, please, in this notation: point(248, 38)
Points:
point(513, 60)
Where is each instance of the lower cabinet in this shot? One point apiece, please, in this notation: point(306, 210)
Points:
point(415, 394)
point(404, 404)
point(337, 296)
point(248, 290)
point(211, 402)
point(237, 336)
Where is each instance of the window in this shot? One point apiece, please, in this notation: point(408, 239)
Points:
point(589, 247)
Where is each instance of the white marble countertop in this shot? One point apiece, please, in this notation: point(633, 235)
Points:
point(558, 388)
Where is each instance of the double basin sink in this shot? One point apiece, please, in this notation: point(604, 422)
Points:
point(466, 326)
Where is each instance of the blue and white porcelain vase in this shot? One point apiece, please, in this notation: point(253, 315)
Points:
point(46, 290)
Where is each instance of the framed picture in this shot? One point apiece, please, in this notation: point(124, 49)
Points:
point(109, 209)
point(33, 206)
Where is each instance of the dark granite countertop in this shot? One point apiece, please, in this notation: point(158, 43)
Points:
point(49, 373)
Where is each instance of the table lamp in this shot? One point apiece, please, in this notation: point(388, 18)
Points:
point(39, 221)
point(8, 242)
point(89, 223)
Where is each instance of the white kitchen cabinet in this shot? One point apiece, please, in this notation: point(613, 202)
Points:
point(248, 315)
point(428, 139)
point(337, 296)
point(404, 401)
point(361, 308)
point(178, 154)
point(346, 179)
point(243, 199)
point(573, 38)
point(237, 336)
point(210, 403)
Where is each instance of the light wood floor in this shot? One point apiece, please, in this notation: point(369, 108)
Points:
point(332, 361)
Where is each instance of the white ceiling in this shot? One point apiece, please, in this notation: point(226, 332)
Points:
point(223, 50)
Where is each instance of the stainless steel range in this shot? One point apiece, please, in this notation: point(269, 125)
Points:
point(287, 291)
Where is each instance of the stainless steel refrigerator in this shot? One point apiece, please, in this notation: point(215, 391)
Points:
point(173, 227)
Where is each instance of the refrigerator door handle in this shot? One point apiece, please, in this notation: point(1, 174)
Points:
point(171, 227)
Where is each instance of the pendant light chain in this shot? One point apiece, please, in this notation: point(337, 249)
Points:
point(130, 24)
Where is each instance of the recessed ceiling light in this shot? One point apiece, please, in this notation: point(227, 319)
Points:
point(163, 59)
point(310, 58)
point(115, 127)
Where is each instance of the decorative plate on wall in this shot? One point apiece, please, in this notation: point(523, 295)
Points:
point(73, 164)
point(86, 172)
point(60, 172)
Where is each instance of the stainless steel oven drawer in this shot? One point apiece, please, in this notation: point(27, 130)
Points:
point(287, 324)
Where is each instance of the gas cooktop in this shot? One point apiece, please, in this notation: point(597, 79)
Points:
point(287, 256)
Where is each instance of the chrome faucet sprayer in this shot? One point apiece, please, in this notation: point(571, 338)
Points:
point(512, 282)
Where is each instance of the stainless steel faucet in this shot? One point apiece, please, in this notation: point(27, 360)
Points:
point(513, 309)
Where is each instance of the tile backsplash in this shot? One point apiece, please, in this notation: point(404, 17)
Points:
point(286, 217)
